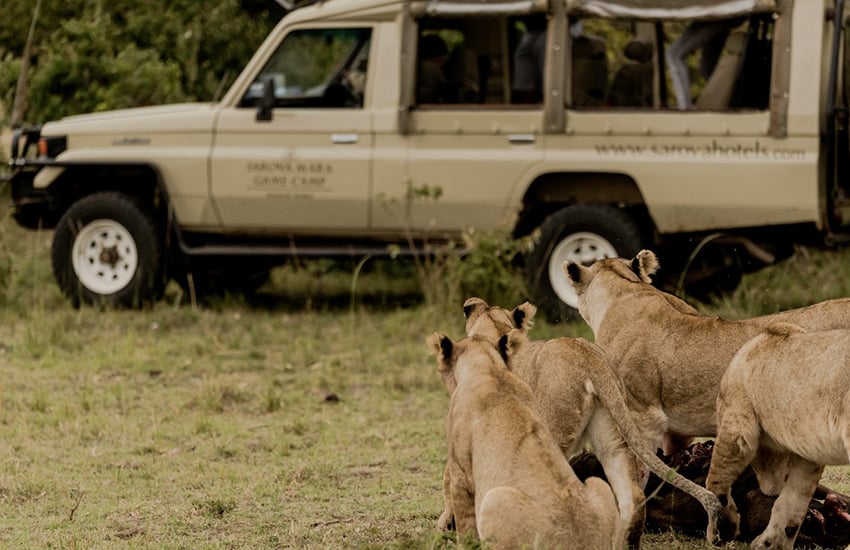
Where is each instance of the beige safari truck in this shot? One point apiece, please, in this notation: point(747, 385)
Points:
point(555, 118)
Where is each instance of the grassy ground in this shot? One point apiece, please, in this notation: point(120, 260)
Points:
point(290, 422)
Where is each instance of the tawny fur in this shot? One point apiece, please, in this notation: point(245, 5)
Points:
point(786, 392)
point(580, 399)
point(506, 479)
point(671, 359)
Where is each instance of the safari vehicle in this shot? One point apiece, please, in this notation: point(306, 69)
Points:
point(353, 115)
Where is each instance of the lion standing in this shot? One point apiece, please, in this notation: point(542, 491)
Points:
point(786, 392)
point(671, 359)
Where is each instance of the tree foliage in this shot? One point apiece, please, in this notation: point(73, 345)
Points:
point(101, 55)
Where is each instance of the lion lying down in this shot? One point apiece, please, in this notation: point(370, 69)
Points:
point(506, 477)
point(786, 392)
point(581, 400)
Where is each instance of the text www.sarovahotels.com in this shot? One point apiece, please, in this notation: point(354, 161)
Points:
point(754, 151)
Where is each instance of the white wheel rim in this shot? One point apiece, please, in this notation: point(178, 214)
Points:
point(104, 257)
point(579, 248)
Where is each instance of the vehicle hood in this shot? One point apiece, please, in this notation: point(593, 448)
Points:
point(174, 118)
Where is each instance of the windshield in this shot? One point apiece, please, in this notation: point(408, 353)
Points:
point(316, 65)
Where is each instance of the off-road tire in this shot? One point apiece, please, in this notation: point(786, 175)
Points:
point(581, 233)
point(107, 251)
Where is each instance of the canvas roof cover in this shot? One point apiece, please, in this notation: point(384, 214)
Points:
point(627, 9)
point(469, 7)
point(671, 9)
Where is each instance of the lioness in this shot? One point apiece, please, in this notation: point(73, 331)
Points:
point(671, 359)
point(506, 477)
point(787, 391)
point(581, 401)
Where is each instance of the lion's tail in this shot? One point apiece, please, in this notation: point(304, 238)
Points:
point(614, 401)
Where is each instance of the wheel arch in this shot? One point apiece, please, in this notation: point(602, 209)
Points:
point(551, 192)
point(140, 180)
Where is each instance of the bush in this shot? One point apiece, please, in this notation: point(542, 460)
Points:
point(484, 264)
point(490, 269)
point(89, 69)
point(95, 57)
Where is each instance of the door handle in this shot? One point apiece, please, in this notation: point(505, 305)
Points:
point(344, 138)
point(522, 138)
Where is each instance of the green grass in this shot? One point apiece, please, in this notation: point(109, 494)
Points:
point(229, 428)
point(299, 420)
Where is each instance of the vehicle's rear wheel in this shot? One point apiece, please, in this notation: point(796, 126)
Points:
point(107, 251)
point(581, 233)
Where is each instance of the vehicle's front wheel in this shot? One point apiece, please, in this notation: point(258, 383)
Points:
point(581, 233)
point(107, 251)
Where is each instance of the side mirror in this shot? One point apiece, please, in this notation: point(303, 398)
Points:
point(267, 102)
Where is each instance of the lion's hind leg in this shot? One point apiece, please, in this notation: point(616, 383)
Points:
point(622, 472)
point(735, 446)
point(606, 529)
point(508, 518)
point(789, 510)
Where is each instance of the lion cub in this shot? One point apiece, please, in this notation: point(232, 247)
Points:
point(506, 477)
point(581, 400)
point(787, 392)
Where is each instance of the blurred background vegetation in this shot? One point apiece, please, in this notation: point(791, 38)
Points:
point(97, 55)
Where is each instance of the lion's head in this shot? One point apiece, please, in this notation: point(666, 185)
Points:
point(492, 322)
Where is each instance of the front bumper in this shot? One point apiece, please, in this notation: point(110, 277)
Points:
point(32, 207)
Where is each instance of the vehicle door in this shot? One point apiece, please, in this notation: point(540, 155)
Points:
point(837, 189)
point(304, 162)
point(474, 130)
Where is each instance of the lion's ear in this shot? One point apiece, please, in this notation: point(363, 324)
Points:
point(440, 345)
point(473, 307)
point(504, 347)
point(443, 347)
point(575, 273)
point(645, 264)
point(510, 343)
point(523, 316)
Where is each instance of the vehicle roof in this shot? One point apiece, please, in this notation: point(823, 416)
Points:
point(627, 9)
point(329, 10)
point(670, 9)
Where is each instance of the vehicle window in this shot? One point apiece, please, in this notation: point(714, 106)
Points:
point(494, 60)
point(696, 65)
point(316, 68)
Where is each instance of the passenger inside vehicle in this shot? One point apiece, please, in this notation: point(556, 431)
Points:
point(432, 82)
point(632, 83)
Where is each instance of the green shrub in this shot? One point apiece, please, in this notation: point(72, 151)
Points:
point(489, 269)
